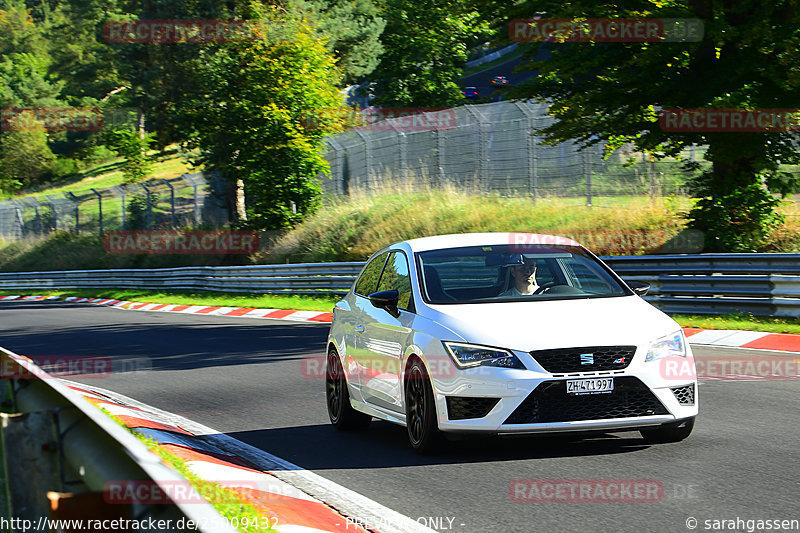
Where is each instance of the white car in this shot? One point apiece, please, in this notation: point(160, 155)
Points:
point(439, 334)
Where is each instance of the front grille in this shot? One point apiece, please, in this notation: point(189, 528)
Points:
point(587, 359)
point(685, 395)
point(463, 407)
point(549, 402)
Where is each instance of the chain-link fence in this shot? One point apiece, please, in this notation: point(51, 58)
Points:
point(489, 147)
point(189, 200)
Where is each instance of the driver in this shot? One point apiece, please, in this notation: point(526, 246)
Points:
point(524, 277)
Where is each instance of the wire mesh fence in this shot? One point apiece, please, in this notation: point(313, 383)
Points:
point(188, 200)
point(490, 147)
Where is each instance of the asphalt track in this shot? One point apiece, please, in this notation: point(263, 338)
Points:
point(245, 377)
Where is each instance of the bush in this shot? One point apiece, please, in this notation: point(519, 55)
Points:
point(742, 221)
point(63, 166)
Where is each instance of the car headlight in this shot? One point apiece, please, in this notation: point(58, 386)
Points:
point(673, 344)
point(472, 355)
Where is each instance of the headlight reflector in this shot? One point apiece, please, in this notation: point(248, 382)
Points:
point(673, 344)
point(472, 355)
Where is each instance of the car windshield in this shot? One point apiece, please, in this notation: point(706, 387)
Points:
point(481, 274)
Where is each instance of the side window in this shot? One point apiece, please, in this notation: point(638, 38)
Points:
point(396, 277)
point(368, 281)
point(585, 278)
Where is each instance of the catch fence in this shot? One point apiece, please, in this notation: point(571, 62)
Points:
point(188, 200)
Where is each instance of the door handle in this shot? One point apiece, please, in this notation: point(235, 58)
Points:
point(359, 329)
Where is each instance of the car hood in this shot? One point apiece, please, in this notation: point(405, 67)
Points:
point(542, 325)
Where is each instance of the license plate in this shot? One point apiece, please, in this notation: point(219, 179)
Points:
point(580, 387)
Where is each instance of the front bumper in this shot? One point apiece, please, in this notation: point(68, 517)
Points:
point(535, 401)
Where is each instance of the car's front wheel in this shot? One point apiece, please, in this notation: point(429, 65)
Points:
point(674, 432)
point(421, 422)
point(341, 413)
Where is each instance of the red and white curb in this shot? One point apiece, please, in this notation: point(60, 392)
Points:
point(743, 339)
point(289, 509)
point(238, 312)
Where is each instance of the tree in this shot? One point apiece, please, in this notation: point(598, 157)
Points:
point(259, 113)
point(24, 60)
point(353, 29)
point(612, 93)
point(425, 44)
point(25, 157)
point(133, 147)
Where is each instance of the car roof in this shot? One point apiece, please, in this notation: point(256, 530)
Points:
point(485, 239)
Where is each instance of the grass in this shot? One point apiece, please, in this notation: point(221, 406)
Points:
point(229, 503)
point(744, 322)
point(165, 165)
point(351, 229)
point(325, 303)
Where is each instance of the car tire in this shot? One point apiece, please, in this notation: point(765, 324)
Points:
point(337, 397)
point(421, 420)
point(673, 432)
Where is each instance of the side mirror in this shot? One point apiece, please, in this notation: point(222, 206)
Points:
point(640, 288)
point(385, 300)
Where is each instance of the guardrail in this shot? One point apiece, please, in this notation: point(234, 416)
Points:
point(60, 443)
point(759, 284)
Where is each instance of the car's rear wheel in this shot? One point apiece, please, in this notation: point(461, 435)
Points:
point(341, 413)
point(674, 432)
point(421, 421)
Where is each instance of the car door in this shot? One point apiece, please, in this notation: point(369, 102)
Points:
point(366, 284)
point(386, 335)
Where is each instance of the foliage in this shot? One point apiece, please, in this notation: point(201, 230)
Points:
point(137, 211)
point(259, 113)
point(610, 93)
point(425, 44)
point(741, 221)
point(353, 28)
point(25, 157)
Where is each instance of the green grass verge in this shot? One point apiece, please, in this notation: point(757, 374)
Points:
point(169, 164)
point(325, 303)
point(742, 322)
point(261, 301)
point(230, 504)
